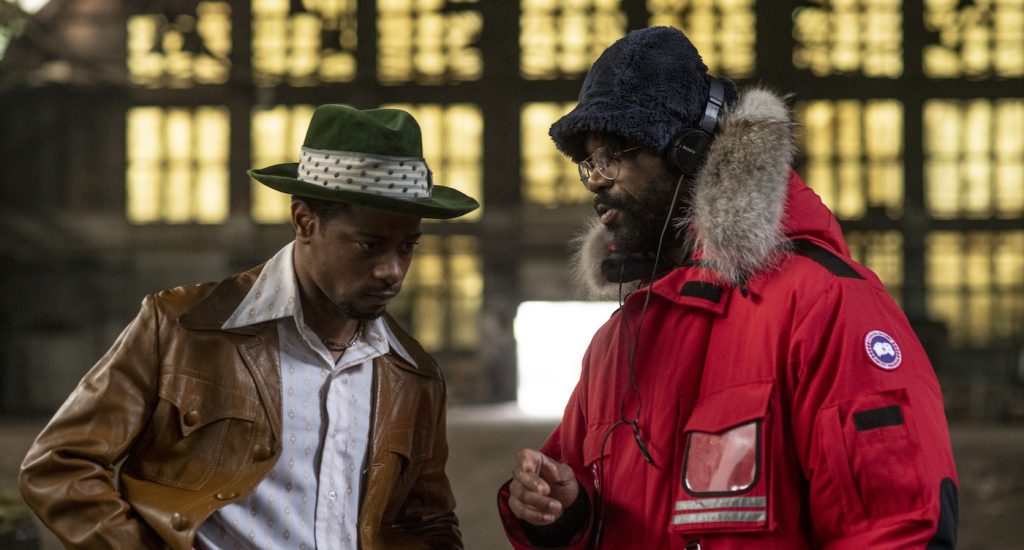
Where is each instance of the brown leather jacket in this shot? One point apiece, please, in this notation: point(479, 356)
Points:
point(192, 416)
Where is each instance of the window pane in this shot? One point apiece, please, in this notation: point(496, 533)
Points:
point(177, 168)
point(303, 43)
point(277, 136)
point(974, 39)
point(562, 39)
point(974, 154)
point(854, 155)
point(549, 178)
point(864, 36)
point(443, 293)
point(453, 147)
point(881, 252)
point(189, 48)
point(428, 42)
point(724, 31)
point(975, 283)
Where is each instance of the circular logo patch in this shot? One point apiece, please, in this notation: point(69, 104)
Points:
point(882, 350)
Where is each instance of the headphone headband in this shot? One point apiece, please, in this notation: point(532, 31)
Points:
point(686, 150)
point(716, 98)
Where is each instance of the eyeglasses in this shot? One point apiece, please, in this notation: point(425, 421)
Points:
point(604, 163)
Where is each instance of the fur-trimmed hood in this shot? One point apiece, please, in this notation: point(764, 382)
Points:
point(735, 223)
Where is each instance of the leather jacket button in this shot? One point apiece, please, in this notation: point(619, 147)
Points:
point(192, 418)
point(261, 451)
point(179, 522)
point(226, 496)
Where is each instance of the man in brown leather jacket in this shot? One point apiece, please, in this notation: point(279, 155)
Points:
point(280, 407)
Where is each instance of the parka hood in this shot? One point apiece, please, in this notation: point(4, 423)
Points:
point(747, 202)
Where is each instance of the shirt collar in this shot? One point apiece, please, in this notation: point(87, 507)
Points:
point(275, 296)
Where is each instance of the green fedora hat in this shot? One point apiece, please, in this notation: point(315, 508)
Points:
point(373, 158)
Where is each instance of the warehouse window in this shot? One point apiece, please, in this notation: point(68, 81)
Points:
point(975, 284)
point(443, 292)
point(428, 41)
point(453, 147)
point(974, 39)
point(180, 50)
point(854, 155)
point(974, 158)
point(177, 165)
point(864, 36)
point(549, 178)
point(881, 252)
point(561, 40)
point(277, 136)
point(304, 42)
point(724, 31)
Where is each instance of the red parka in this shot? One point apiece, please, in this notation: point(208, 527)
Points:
point(795, 409)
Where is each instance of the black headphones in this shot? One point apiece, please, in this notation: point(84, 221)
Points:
point(686, 151)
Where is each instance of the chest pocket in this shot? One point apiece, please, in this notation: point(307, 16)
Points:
point(722, 475)
point(190, 425)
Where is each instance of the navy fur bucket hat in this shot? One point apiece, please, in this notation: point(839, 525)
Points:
point(646, 87)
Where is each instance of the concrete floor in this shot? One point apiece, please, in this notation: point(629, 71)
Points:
point(483, 440)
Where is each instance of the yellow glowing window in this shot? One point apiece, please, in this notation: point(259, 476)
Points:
point(189, 49)
point(549, 178)
point(562, 39)
point(974, 158)
point(975, 284)
point(443, 292)
point(851, 36)
point(854, 155)
point(881, 252)
point(177, 165)
point(453, 147)
point(974, 39)
point(303, 43)
point(428, 41)
point(277, 136)
point(724, 31)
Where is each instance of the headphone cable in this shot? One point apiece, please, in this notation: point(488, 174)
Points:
point(630, 360)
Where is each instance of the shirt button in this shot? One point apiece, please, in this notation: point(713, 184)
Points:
point(332, 495)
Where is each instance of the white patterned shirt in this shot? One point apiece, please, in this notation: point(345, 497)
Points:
point(311, 497)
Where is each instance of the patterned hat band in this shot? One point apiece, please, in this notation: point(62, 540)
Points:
point(398, 177)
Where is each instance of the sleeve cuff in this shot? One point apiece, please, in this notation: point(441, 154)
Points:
point(564, 529)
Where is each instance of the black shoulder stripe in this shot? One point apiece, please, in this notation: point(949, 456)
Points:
point(701, 289)
point(878, 418)
point(825, 258)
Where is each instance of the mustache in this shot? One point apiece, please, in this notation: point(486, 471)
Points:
point(608, 201)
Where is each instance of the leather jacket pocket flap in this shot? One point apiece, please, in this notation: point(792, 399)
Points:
point(200, 403)
point(412, 442)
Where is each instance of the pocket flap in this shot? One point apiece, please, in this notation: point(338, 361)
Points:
point(730, 407)
point(412, 442)
point(199, 402)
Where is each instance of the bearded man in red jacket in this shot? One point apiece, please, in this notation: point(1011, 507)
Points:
point(757, 388)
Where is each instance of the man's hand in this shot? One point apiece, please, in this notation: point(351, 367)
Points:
point(541, 488)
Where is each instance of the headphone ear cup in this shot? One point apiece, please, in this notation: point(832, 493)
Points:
point(686, 152)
